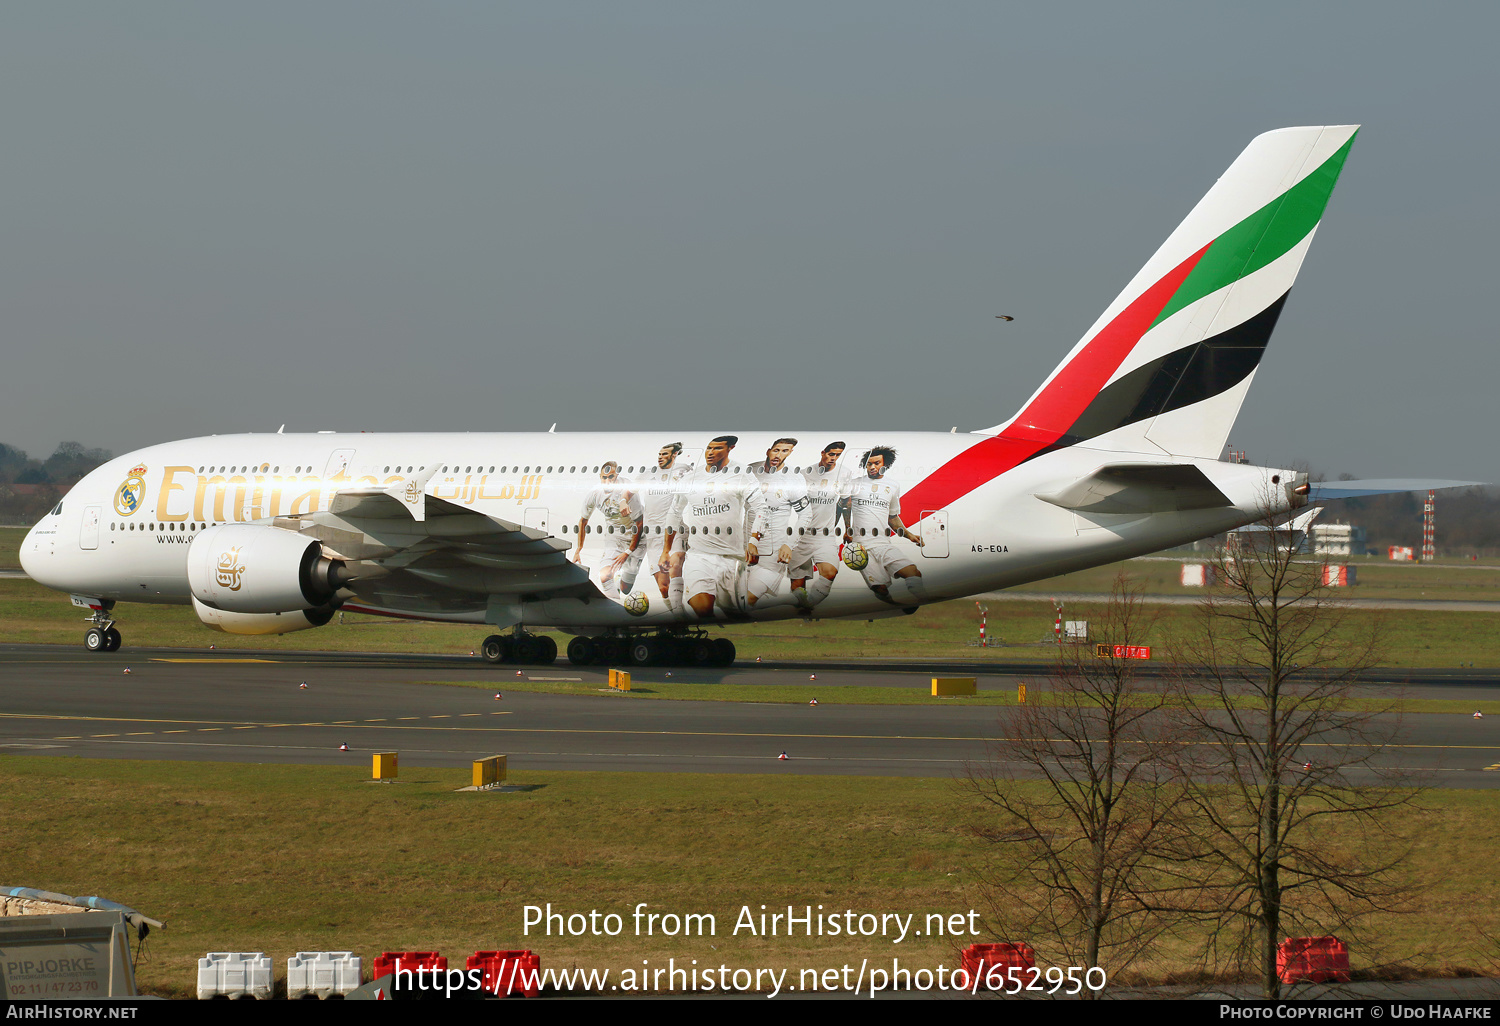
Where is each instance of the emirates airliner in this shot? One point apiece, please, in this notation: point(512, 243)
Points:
point(637, 544)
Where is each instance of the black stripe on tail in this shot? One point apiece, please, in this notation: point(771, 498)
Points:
point(1181, 378)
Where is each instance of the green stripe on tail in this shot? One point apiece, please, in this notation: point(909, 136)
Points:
point(1262, 237)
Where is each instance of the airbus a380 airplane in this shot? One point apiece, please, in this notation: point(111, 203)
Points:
point(634, 542)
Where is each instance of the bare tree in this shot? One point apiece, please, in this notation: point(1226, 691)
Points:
point(1083, 807)
point(1295, 825)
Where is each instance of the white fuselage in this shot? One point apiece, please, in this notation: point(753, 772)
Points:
point(124, 532)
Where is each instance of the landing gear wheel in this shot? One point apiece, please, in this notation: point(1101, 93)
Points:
point(495, 648)
point(609, 650)
point(96, 640)
point(111, 640)
point(582, 651)
point(545, 651)
point(701, 652)
point(645, 652)
point(723, 652)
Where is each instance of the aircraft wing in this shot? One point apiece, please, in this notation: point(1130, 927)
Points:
point(1327, 490)
point(434, 556)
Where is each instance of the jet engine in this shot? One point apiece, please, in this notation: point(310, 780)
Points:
point(254, 568)
point(262, 623)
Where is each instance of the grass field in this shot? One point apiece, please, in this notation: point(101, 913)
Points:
point(943, 631)
point(1377, 579)
point(286, 858)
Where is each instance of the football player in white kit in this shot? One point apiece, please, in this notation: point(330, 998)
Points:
point(715, 510)
point(660, 492)
point(874, 515)
point(622, 542)
point(815, 556)
point(785, 494)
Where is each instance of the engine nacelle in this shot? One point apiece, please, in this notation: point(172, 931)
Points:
point(261, 623)
point(252, 568)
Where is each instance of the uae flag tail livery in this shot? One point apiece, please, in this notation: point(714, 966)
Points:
point(636, 544)
point(1166, 366)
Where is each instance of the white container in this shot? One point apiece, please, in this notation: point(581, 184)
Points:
point(322, 974)
point(234, 974)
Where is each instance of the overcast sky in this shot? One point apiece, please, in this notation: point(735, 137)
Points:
point(491, 217)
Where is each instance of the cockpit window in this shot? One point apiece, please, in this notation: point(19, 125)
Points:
point(57, 510)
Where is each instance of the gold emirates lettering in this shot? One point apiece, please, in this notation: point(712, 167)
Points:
point(217, 499)
point(475, 488)
point(253, 497)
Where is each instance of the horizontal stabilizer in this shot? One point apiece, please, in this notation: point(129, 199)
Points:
point(1323, 491)
point(1140, 488)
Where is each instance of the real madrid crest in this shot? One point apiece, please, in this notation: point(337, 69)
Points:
point(129, 495)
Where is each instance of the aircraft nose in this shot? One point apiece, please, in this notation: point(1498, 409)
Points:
point(28, 558)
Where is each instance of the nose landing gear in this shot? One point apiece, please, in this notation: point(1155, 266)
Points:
point(102, 637)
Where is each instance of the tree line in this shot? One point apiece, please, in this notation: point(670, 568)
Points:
point(30, 486)
point(1466, 520)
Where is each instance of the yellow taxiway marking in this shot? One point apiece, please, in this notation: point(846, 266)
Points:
point(141, 733)
point(1496, 766)
point(108, 719)
point(474, 714)
point(222, 724)
point(104, 735)
point(154, 660)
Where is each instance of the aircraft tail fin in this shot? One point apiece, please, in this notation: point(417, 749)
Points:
point(1168, 363)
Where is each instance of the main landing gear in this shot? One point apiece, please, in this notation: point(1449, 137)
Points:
point(652, 650)
point(535, 649)
point(102, 637)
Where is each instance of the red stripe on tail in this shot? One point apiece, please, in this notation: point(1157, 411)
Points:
point(1060, 403)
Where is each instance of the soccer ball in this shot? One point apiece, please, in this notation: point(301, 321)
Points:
point(855, 556)
point(636, 603)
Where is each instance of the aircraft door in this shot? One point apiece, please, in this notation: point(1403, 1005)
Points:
point(934, 532)
point(536, 516)
point(88, 535)
point(338, 464)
